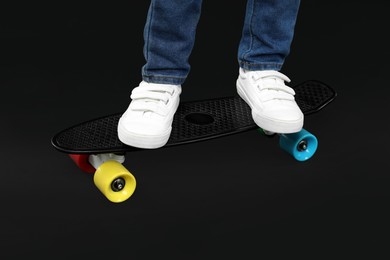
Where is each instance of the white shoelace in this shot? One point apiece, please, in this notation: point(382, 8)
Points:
point(271, 85)
point(151, 98)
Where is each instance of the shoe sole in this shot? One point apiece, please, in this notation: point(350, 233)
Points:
point(270, 124)
point(142, 141)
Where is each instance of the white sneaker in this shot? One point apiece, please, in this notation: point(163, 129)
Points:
point(147, 123)
point(272, 102)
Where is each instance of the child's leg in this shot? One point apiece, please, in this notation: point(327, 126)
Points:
point(265, 43)
point(267, 34)
point(169, 36)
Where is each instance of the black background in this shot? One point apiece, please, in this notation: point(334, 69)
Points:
point(237, 197)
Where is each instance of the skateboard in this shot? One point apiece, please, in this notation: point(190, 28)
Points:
point(95, 148)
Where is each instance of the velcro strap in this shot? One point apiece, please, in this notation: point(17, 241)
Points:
point(148, 106)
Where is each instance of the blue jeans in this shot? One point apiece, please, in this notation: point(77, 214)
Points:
point(169, 36)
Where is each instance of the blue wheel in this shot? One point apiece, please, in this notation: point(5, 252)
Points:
point(301, 145)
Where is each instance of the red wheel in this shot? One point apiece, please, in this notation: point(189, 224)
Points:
point(81, 160)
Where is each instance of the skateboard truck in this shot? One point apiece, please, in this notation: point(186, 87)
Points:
point(98, 159)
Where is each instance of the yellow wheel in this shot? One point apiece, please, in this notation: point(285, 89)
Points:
point(114, 181)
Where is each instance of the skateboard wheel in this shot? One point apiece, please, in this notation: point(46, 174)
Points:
point(81, 160)
point(301, 145)
point(114, 181)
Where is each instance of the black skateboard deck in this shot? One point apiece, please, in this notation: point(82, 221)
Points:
point(94, 145)
point(194, 121)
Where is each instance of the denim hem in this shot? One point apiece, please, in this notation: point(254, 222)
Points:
point(260, 66)
point(161, 79)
